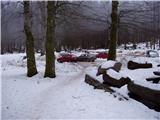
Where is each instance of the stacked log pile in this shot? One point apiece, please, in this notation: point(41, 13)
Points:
point(147, 96)
point(106, 86)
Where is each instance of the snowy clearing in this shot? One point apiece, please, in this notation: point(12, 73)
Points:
point(68, 96)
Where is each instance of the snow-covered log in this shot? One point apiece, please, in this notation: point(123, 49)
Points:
point(96, 84)
point(116, 66)
point(147, 96)
point(154, 79)
point(115, 82)
point(156, 73)
point(100, 71)
point(134, 65)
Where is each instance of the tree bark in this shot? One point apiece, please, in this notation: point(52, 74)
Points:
point(31, 64)
point(134, 65)
point(115, 82)
point(97, 85)
point(50, 37)
point(42, 5)
point(114, 31)
point(149, 97)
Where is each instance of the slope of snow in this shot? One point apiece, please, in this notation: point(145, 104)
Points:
point(112, 73)
point(139, 77)
point(65, 97)
point(92, 71)
point(108, 64)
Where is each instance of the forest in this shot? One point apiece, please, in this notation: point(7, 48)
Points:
point(137, 22)
point(80, 59)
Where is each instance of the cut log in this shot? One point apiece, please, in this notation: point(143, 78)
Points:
point(154, 79)
point(134, 65)
point(156, 73)
point(101, 70)
point(97, 85)
point(114, 82)
point(117, 66)
point(147, 96)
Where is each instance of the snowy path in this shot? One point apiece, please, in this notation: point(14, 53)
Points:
point(68, 94)
point(37, 104)
point(46, 99)
point(65, 97)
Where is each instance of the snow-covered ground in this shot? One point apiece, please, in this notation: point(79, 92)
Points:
point(67, 96)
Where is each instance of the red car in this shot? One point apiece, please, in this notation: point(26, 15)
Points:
point(102, 55)
point(67, 58)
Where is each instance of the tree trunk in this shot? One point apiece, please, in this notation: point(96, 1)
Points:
point(149, 97)
point(50, 37)
point(42, 5)
point(114, 31)
point(31, 64)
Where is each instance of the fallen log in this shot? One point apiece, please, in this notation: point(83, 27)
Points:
point(114, 82)
point(101, 71)
point(156, 73)
point(147, 96)
point(134, 65)
point(97, 85)
point(117, 66)
point(154, 79)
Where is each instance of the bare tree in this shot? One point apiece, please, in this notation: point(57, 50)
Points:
point(114, 31)
point(50, 40)
point(31, 64)
point(76, 19)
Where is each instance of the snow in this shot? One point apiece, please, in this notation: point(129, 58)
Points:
point(112, 73)
point(108, 64)
point(67, 96)
point(123, 91)
point(98, 50)
point(92, 71)
point(148, 85)
point(139, 77)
